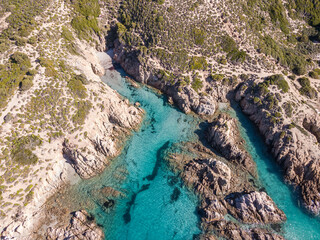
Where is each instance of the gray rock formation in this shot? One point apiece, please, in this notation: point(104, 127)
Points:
point(312, 124)
point(223, 135)
point(256, 207)
point(207, 176)
point(86, 164)
point(81, 227)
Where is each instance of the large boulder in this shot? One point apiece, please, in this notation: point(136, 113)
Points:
point(255, 207)
point(207, 176)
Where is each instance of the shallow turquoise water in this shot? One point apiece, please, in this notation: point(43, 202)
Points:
point(299, 225)
point(155, 203)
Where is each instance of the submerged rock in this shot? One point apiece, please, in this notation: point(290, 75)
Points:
point(109, 203)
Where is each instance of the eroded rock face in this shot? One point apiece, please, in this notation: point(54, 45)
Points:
point(212, 210)
point(103, 139)
point(87, 164)
point(81, 227)
point(207, 176)
point(217, 185)
point(312, 124)
point(256, 207)
point(223, 135)
point(186, 98)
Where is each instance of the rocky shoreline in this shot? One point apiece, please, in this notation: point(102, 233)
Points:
point(292, 147)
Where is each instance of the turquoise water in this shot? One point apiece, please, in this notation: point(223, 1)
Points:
point(155, 205)
point(299, 225)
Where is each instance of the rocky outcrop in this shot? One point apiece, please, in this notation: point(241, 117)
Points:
point(255, 207)
point(81, 226)
point(293, 148)
point(216, 185)
point(223, 135)
point(86, 164)
point(207, 176)
point(312, 124)
point(187, 99)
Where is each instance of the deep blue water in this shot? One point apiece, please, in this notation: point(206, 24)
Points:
point(155, 203)
point(299, 224)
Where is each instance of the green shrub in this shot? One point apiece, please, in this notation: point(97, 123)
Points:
point(12, 74)
point(83, 109)
point(309, 9)
point(21, 21)
point(199, 36)
point(217, 77)
point(288, 108)
point(21, 42)
point(237, 56)
point(76, 87)
point(21, 150)
point(20, 59)
point(285, 56)
point(197, 84)
point(198, 63)
point(49, 65)
point(256, 100)
point(66, 34)
point(278, 80)
point(228, 44)
point(26, 83)
point(278, 15)
point(306, 88)
point(86, 23)
point(314, 74)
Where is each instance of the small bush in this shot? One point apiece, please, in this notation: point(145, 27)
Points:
point(21, 59)
point(228, 44)
point(314, 75)
point(197, 84)
point(279, 80)
point(21, 151)
point(198, 63)
point(306, 88)
point(76, 87)
point(82, 112)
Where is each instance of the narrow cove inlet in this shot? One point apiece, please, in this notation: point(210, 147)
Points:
point(151, 202)
point(155, 205)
